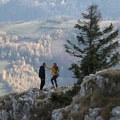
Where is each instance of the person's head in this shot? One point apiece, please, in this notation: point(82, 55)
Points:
point(55, 64)
point(44, 64)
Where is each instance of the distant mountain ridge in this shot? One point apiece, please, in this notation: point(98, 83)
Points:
point(24, 10)
point(38, 27)
point(49, 26)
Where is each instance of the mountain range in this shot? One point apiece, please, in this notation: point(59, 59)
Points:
point(24, 10)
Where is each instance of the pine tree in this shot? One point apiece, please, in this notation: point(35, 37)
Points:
point(95, 47)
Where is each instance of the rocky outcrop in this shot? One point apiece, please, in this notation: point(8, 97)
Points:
point(31, 105)
point(93, 114)
point(115, 113)
point(17, 106)
point(82, 107)
point(90, 103)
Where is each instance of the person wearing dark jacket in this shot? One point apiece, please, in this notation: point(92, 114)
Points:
point(42, 75)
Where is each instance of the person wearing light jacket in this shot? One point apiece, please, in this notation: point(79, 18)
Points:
point(55, 74)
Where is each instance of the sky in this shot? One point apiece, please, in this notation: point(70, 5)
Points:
point(23, 10)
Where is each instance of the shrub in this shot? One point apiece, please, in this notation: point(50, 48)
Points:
point(62, 98)
point(65, 98)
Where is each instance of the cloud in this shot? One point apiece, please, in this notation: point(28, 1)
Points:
point(38, 3)
point(42, 3)
point(34, 9)
point(62, 2)
point(3, 2)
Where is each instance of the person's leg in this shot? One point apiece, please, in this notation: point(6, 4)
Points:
point(42, 84)
point(52, 81)
point(55, 79)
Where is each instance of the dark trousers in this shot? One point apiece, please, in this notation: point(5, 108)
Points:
point(42, 83)
point(54, 80)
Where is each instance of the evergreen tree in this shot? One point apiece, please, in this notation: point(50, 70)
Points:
point(95, 47)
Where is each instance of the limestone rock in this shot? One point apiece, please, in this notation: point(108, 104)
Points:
point(57, 114)
point(116, 112)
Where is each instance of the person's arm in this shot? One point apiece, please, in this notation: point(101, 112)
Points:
point(48, 67)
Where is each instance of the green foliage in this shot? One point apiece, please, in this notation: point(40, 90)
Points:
point(65, 98)
point(95, 48)
point(77, 72)
point(75, 89)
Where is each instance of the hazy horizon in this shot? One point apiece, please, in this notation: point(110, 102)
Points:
point(24, 10)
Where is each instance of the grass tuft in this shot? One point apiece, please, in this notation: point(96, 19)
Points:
point(106, 97)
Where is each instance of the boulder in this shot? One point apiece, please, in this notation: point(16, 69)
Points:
point(116, 111)
point(57, 114)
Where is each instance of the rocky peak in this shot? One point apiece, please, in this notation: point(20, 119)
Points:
point(31, 105)
point(98, 99)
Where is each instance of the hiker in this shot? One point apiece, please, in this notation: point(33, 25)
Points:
point(42, 75)
point(55, 74)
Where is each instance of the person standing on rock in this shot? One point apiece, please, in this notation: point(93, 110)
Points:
point(42, 75)
point(55, 74)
